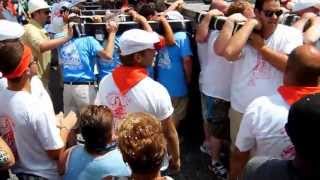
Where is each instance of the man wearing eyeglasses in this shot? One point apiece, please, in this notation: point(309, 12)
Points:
point(260, 52)
point(37, 38)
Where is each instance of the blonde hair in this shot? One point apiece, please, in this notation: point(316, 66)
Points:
point(238, 7)
point(142, 142)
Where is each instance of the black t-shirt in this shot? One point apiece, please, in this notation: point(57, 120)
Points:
point(264, 168)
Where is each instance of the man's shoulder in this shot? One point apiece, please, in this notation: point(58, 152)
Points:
point(180, 35)
point(274, 99)
point(31, 28)
point(288, 31)
point(265, 168)
point(151, 84)
point(106, 81)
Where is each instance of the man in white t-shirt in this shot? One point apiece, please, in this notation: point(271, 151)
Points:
point(262, 130)
point(28, 123)
point(260, 58)
point(215, 83)
point(129, 89)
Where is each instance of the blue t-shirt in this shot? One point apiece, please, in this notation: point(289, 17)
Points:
point(83, 166)
point(106, 66)
point(77, 58)
point(170, 69)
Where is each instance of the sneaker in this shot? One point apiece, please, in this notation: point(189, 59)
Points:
point(204, 148)
point(219, 170)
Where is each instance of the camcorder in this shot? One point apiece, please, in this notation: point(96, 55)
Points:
point(70, 10)
point(217, 22)
point(98, 30)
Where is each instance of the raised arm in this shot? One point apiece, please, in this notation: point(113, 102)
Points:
point(107, 52)
point(202, 31)
point(239, 40)
point(312, 34)
point(141, 20)
point(226, 33)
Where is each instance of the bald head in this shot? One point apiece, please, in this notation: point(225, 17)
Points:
point(303, 68)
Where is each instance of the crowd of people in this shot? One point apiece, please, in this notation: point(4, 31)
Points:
point(124, 97)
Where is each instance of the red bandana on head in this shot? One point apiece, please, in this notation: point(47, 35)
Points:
point(126, 77)
point(23, 64)
point(291, 94)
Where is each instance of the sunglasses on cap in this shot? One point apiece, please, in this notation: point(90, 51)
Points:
point(269, 14)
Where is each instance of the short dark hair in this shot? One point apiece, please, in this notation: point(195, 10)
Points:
point(303, 126)
point(11, 52)
point(259, 4)
point(96, 124)
point(147, 10)
point(142, 143)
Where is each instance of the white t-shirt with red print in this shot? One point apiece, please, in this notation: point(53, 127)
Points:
point(29, 126)
point(147, 96)
point(262, 128)
point(253, 76)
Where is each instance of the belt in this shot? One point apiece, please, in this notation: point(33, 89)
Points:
point(80, 83)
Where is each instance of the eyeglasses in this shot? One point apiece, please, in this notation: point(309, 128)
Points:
point(271, 13)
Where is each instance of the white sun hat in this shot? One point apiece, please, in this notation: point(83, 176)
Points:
point(136, 40)
point(10, 30)
point(35, 5)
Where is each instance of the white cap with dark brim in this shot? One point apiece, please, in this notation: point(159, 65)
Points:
point(136, 40)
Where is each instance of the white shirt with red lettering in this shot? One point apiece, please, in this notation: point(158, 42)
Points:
point(253, 76)
point(262, 129)
point(29, 126)
point(147, 96)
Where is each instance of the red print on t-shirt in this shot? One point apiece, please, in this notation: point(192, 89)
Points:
point(118, 105)
point(262, 70)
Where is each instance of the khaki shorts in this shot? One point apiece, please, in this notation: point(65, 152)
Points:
point(235, 120)
point(180, 105)
point(76, 97)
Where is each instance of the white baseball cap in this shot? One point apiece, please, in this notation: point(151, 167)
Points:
point(136, 40)
point(35, 5)
point(10, 30)
point(304, 4)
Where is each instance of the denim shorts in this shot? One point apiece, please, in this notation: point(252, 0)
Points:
point(215, 113)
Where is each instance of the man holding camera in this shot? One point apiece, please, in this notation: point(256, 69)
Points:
point(37, 38)
point(259, 50)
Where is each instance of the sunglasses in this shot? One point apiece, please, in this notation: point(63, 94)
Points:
point(271, 13)
point(45, 12)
